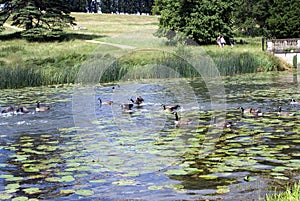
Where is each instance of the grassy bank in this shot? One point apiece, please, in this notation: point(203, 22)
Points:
point(291, 194)
point(34, 64)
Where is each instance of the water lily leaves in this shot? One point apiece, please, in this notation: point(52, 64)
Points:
point(31, 151)
point(67, 192)
point(13, 178)
point(176, 187)
point(84, 192)
point(22, 157)
point(21, 198)
point(12, 188)
point(52, 179)
point(5, 196)
point(31, 169)
point(209, 177)
point(47, 148)
point(222, 189)
point(153, 188)
point(176, 172)
point(124, 182)
point(98, 181)
point(31, 191)
point(68, 178)
point(107, 156)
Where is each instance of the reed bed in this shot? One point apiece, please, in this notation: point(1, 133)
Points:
point(67, 68)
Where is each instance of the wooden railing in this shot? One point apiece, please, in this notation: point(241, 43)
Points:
point(283, 45)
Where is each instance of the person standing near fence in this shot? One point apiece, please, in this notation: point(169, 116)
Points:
point(219, 41)
point(223, 42)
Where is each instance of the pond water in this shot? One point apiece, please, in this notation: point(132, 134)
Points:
point(79, 150)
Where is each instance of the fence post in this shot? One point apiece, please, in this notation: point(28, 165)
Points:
point(263, 44)
point(295, 62)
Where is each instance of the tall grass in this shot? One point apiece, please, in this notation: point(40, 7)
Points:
point(71, 67)
point(291, 194)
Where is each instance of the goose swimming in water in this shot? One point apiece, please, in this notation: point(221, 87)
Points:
point(105, 103)
point(281, 113)
point(22, 109)
point(170, 108)
point(139, 100)
point(251, 111)
point(180, 122)
point(8, 109)
point(222, 124)
point(293, 102)
point(41, 109)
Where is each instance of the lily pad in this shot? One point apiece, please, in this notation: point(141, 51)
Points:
point(98, 181)
point(12, 186)
point(5, 196)
point(223, 189)
point(153, 188)
point(67, 192)
point(67, 179)
point(176, 172)
point(124, 182)
point(21, 198)
point(208, 177)
point(31, 191)
point(84, 192)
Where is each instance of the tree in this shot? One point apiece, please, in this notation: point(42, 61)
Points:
point(200, 21)
point(126, 6)
point(270, 18)
point(250, 16)
point(40, 19)
point(158, 6)
point(284, 19)
point(78, 5)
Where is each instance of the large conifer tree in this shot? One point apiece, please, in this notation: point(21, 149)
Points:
point(40, 19)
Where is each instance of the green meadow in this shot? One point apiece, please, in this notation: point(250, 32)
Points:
point(24, 63)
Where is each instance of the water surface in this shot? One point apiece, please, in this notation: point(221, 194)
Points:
point(79, 150)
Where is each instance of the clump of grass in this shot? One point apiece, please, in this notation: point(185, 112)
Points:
point(37, 72)
point(16, 77)
point(234, 62)
point(290, 194)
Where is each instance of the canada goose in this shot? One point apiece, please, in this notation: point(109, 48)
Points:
point(256, 112)
point(127, 106)
point(170, 108)
point(8, 109)
point(116, 86)
point(41, 109)
point(251, 111)
point(293, 102)
point(105, 103)
point(222, 124)
point(22, 109)
point(280, 113)
point(179, 122)
point(139, 100)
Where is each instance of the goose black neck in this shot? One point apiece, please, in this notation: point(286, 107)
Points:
point(176, 116)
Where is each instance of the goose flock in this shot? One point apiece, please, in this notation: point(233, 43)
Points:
point(24, 110)
point(171, 109)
